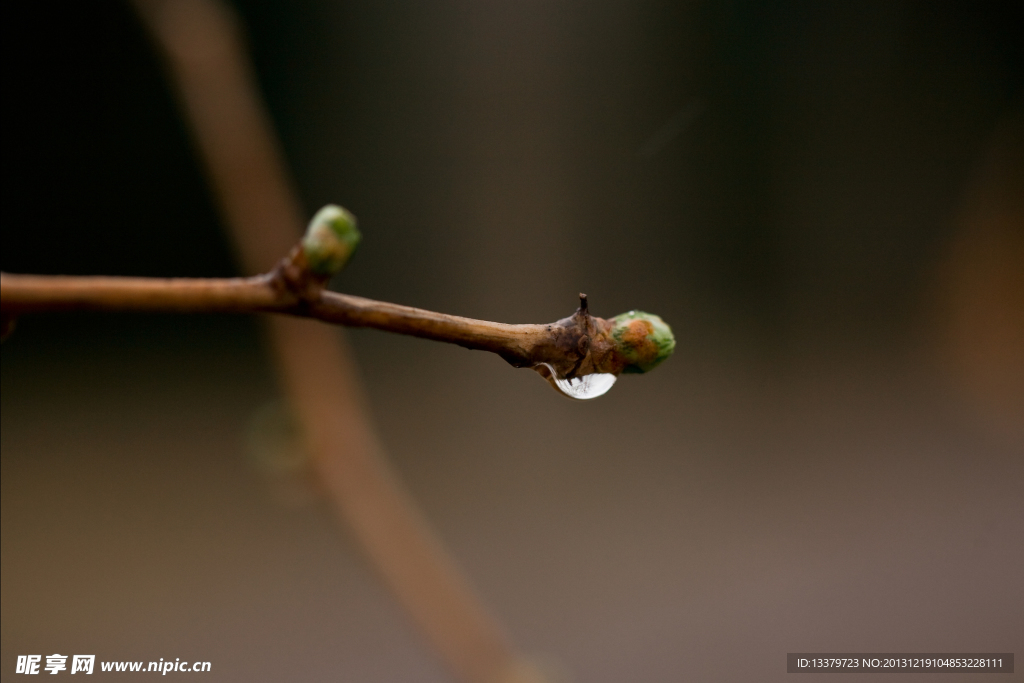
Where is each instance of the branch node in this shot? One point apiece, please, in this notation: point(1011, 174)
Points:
point(329, 242)
point(293, 275)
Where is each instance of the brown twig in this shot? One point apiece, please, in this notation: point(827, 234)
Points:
point(577, 345)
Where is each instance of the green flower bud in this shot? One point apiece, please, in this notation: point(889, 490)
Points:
point(330, 239)
point(643, 339)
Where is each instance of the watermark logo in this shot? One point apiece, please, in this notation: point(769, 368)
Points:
point(85, 664)
point(55, 663)
point(82, 664)
point(28, 664)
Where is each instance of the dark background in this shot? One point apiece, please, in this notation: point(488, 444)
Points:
point(826, 202)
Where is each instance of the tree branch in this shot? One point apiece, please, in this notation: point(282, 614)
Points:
point(575, 346)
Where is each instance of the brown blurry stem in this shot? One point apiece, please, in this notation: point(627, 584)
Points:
point(557, 344)
point(207, 63)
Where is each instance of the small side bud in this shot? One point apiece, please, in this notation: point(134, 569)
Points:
point(643, 339)
point(330, 239)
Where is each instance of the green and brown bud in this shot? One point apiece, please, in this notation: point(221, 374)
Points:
point(642, 339)
point(330, 239)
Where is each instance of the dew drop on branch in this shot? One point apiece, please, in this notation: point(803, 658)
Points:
point(588, 386)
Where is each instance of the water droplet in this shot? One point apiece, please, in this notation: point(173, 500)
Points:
point(588, 386)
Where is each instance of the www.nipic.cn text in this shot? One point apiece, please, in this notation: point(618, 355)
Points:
point(85, 664)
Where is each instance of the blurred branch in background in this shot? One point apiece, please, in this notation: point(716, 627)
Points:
point(981, 287)
point(207, 62)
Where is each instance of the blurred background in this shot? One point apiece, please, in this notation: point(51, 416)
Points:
point(826, 202)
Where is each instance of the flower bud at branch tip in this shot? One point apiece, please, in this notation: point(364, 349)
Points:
point(330, 239)
point(643, 339)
